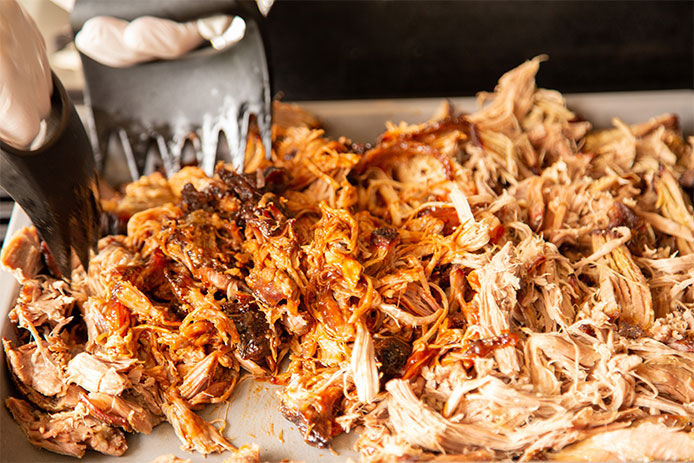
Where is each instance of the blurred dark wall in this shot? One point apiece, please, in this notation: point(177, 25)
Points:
point(380, 48)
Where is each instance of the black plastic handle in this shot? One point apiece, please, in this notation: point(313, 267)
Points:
point(55, 184)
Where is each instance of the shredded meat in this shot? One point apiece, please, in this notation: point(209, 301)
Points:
point(191, 429)
point(36, 367)
point(95, 375)
point(508, 284)
point(44, 301)
point(170, 458)
point(22, 254)
point(68, 433)
point(646, 441)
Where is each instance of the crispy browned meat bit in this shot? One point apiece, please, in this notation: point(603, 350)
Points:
point(252, 327)
point(506, 284)
point(392, 353)
point(312, 403)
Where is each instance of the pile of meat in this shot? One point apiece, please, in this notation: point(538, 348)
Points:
point(506, 284)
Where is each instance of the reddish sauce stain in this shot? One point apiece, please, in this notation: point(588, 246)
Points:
point(683, 345)
point(471, 314)
point(536, 263)
point(275, 380)
point(100, 414)
point(496, 233)
point(416, 361)
point(474, 280)
point(447, 215)
point(484, 347)
point(118, 315)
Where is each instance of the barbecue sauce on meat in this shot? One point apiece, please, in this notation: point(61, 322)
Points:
point(484, 347)
point(260, 207)
point(315, 420)
point(252, 327)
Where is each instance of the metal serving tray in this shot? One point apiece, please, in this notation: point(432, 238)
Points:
point(253, 416)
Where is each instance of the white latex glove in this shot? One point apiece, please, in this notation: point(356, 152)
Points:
point(119, 43)
point(25, 77)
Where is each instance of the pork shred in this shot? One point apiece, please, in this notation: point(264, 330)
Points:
point(68, 433)
point(503, 285)
point(22, 254)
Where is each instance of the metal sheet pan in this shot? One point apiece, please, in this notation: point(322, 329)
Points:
point(252, 415)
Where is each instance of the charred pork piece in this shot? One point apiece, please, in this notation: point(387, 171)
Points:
point(252, 327)
point(384, 237)
point(622, 215)
point(193, 199)
point(260, 207)
point(213, 196)
point(243, 185)
point(206, 244)
point(392, 353)
point(275, 179)
point(268, 216)
point(312, 412)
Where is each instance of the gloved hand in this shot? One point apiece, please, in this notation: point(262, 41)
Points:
point(25, 77)
point(119, 43)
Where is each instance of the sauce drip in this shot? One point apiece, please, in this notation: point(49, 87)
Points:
point(483, 347)
point(417, 360)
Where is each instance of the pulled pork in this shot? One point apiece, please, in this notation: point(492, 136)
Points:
point(502, 285)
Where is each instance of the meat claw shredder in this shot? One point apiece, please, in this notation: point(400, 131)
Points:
point(148, 112)
point(56, 184)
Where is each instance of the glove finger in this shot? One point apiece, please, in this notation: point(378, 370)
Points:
point(163, 38)
point(101, 38)
point(231, 35)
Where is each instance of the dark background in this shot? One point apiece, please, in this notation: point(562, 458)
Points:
point(379, 48)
